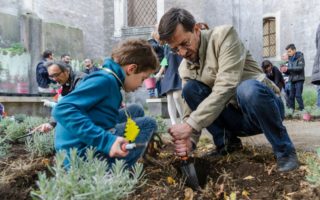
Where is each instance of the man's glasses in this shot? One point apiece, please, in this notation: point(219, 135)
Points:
point(55, 75)
point(184, 45)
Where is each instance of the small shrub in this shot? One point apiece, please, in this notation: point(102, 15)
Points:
point(309, 96)
point(20, 117)
point(40, 144)
point(4, 123)
point(32, 122)
point(162, 125)
point(87, 179)
point(4, 147)
point(15, 130)
point(315, 112)
point(314, 169)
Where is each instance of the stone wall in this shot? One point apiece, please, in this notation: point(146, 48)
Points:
point(298, 22)
point(244, 15)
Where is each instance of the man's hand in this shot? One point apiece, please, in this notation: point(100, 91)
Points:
point(183, 147)
point(180, 131)
point(116, 151)
point(46, 127)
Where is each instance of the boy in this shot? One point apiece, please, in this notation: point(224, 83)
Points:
point(88, 116)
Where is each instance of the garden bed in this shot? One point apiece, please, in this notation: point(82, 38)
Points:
point(249, 174)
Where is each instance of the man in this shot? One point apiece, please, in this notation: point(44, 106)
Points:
point(66, 58)
point(224, 90)
point(62, 74)
point(295, 70)
point(42, 73)
point(88, 63)
point(273, 73)
point(315, 79)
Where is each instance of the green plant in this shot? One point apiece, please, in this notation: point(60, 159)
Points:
point(315, 112)
point(309, 96)
point(40, 144)
point(15, 48)
point(4, 147)
point(314, 169)
point(4, 123)
point(88, 179)
point(15, 130)
point(162, 125)
point(20, 117)
point(32, 122)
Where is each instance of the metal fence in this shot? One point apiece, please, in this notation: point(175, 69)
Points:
point(141, 12)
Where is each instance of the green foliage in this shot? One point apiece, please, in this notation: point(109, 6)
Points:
point(4, 123)
point(162, 125)
point(15, 48)
point(4, 147)
point(32, 122)
point(20, 117)
point(309, 96)
point(315, 112)
point(87, 179)
point(40, 144)
point(15, 130)
point(314, 169)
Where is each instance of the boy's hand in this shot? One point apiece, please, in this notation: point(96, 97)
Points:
point(116, 151)
point(46, 127)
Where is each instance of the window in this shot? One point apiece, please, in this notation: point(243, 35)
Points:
point(141, 13)
point(269, 37)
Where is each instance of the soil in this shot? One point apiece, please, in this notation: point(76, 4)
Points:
point(248, 174)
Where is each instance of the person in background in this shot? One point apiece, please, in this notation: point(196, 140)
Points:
point(63, 75)
point(273, 74)
point(158, 48)
point(295, 71)
point(42, 77)
point(2, 112)
point(284, 63)
point(170, 84)
point(88, 117)
point(315, 78)
point(66, 58)
point(224, 90)
point(89, 66)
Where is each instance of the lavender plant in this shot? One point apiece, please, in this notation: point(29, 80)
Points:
point(314, 169)
point(40, 144)
point(88, 179)
point(4, 147)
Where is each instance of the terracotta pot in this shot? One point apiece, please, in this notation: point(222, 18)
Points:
point(306, 117)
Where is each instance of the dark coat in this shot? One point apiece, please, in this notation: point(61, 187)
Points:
point(42, 75)
point(315, 79)
point(276, 77)
point(93, 69)
point(296, 67)
point(74, 79)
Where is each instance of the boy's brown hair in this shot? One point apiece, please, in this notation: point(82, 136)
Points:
point(136, 51)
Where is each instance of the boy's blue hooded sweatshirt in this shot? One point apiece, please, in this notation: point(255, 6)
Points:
point(86, 115)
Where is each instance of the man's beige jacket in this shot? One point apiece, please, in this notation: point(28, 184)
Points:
point(223, 64)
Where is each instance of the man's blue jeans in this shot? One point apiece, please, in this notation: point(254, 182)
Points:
point(260, 111)
point(147, 126)
point(296, 93)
